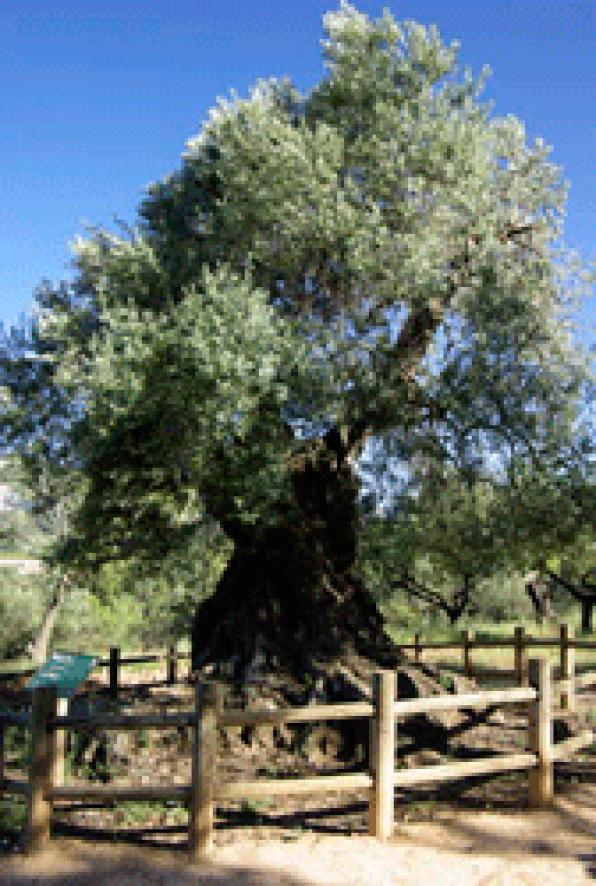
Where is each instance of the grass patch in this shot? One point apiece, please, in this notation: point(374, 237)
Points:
point(12, 822)
point(135, 813)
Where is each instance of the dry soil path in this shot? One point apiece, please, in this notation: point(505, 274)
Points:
point(552, 848)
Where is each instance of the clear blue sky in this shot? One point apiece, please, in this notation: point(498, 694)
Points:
point(97, 98)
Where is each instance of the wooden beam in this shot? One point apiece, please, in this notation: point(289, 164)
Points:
point(494, 644)
point(486, 699)
point(60, 743)
point(43, 751)
point(107, 792)
point(540, 779)
point(383, 734)
point(204, 763)
point(142, 659)
point(564, 749)
point(541, 642)
point(123, 721)
point(464, 769)
point(281, 787)
point(305, 714)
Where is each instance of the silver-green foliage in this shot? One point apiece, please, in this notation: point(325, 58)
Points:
point(260, 298)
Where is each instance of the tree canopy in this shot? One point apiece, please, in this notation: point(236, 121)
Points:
point(369, 273)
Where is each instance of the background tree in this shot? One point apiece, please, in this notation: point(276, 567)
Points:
point(549, 525)
point(373, 262)
point(437, 543)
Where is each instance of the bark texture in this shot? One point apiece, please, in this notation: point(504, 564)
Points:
point(288, 595)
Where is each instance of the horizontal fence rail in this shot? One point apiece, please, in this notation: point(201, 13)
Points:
point(306, 714)
point(465, 769)
point(520, 643)
point(487, 699)
point(119, 792)
point(281, 787)
point(45, 785)
point(121, 722)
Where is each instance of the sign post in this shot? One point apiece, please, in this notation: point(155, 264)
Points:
point(63, 672)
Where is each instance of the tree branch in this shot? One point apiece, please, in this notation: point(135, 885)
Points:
point(583, 592)
point(412, 345)
point(453, 610)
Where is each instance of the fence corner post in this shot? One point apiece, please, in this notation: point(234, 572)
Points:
point(382, 756)
point(567, 669)
point(540, 778)
point(468, 640)
point(204, 762)
point(519, 656)
point(44, 705)
point(114, 670)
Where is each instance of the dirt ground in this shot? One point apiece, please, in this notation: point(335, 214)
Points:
point(550, 848)
point(477, 832)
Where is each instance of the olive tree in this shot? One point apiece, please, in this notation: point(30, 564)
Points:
point(372, 265)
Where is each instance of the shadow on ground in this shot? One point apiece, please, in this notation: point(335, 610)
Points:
point(70, 864)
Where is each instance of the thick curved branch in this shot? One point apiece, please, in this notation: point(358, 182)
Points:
point(412, 345)
point(586, 591)
point(453, 610)
point(400, 370)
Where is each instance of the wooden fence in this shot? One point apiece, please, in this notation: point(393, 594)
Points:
point(115, 661)
point(45, 782)
point(569, 680)
point(521, 642)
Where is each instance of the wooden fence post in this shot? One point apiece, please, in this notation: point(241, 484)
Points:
point(567, 669)
point(417, 649)
point(204, 761)
point(114, 670)
point(172, 665)
point(60, 744)
point(519, 650)
point(44, 704)
point(468, 638)
point(540, 778)
point(383, 754)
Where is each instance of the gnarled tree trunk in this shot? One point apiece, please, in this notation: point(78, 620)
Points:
point(288, 591)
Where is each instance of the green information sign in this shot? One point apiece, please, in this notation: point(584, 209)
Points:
point(65, 671)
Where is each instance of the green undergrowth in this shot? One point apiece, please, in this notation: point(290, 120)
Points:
point(12, 822)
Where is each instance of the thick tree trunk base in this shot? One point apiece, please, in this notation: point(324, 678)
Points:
point(279, 610)
point(281, 630)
